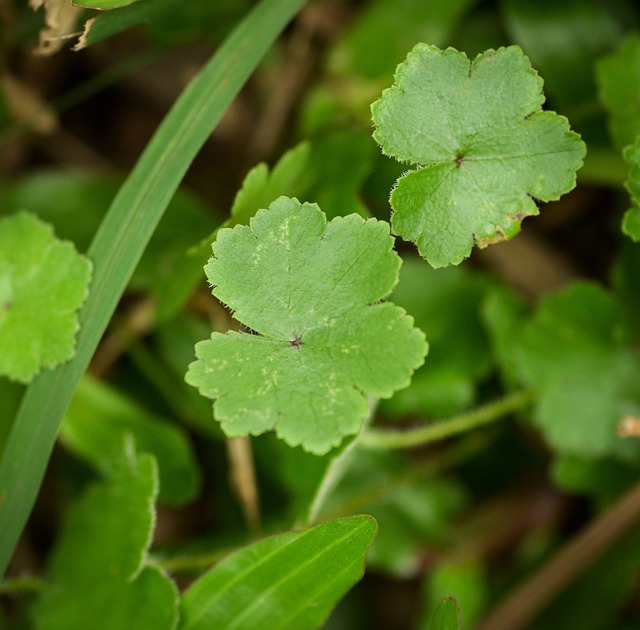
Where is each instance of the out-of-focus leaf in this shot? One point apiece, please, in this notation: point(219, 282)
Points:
point(446, 304)
point(503, 314)
point(288, 581)
point(414, 513)
point(98, 575)
point(447, 616)
point(98, 419)
point(618, 76)
point(603, 480)
point(388, 28)
point(587, 381)
point(468, 580)
point(563, 41)
point(631, 220)
point(43, 283)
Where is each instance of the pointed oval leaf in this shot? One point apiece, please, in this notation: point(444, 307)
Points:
point(447, 615)
point(483, 147)
point(292, 580)
point(312, 291)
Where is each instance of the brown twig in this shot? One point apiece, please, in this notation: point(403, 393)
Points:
point(519, 608)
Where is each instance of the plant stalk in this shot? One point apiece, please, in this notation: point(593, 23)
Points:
point(448, 428)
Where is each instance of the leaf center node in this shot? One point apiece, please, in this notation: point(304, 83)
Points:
point(460, 159)
point(296, 342)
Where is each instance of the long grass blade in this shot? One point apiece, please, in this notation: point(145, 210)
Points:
point(117, 247)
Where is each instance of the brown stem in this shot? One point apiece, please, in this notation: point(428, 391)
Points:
point(519, 608)
point(242, 476)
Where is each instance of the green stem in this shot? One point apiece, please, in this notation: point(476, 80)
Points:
point(334, 472)
point(22, 585)
point(448, 428)
point(118, 246)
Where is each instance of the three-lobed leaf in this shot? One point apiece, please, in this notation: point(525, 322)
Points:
point(483, 147)
point(325, 342)
point(43, 283)
point(291, 580)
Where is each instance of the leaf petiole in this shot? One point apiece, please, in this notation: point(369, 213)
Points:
point(447, 428)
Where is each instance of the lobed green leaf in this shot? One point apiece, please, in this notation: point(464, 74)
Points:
point(43, 283)
point(483, 146)
point(311, 291)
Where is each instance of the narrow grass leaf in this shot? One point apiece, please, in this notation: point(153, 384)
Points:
point(118, 246)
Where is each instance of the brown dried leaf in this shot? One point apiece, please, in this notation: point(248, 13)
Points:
point(61, 19)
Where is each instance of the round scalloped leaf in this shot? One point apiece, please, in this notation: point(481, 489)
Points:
point(311, 291)
point(43, 283)
point(483, 147)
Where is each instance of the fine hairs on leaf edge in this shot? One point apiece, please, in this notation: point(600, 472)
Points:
point(569, 170)
point(404, 326)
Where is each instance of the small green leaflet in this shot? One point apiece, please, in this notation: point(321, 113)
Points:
point(324, 343)
point(483, 147)
point(631, 219)
point(43, 283)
